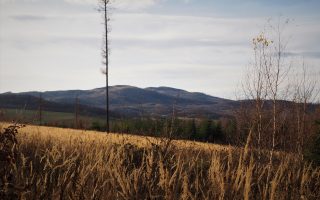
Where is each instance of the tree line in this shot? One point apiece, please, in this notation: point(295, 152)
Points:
point(205, 129)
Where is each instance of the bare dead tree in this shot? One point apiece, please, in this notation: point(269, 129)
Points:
point(255, 87)
point(266, 85)
point(276, 71)
point(271, 117)
point(305, 93)
point(103, 8)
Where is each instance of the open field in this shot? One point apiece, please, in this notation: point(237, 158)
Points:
point(55, 163)
point(32, 115)
point(48, 117)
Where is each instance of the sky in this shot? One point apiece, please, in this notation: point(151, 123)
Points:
point(196, 45)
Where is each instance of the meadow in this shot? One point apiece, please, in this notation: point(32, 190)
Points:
point(62, 119)
point(55, 163)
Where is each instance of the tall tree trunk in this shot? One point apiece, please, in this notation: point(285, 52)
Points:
point(106, 62)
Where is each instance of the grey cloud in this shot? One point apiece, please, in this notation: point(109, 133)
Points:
point(54, 40)
point(175, 43)
point(76, 40)
point(28, 17)
point(309, 54)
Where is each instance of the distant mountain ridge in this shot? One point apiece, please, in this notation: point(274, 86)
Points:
point(133, 101)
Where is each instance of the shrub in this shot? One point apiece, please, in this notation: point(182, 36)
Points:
point(313, 150)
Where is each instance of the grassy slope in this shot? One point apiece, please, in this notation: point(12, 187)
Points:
point(63, 163)
point(31, 116)
point(63, 134)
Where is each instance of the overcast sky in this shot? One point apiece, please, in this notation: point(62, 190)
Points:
point(197, 45)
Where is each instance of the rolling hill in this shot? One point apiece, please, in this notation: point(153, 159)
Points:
point(126, 101)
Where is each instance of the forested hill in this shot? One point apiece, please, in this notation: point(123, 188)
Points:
point(128, 101)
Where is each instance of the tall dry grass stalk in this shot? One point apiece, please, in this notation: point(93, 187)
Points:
point(65, 164)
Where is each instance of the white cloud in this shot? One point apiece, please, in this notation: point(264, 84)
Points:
point(12, 1)
point(134, 4)
point(82, 1)
point(121, 4)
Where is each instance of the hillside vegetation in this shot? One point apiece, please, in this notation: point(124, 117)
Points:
point(125, 101)
point(55, 163)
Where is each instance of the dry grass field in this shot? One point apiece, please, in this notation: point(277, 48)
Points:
point(55, 163)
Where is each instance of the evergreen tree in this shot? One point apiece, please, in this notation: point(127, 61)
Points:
point(192, 130)
point(205, 130)
point(218, 133)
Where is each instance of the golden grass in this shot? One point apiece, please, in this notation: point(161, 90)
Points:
point(63, 134)
point(57, 163)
